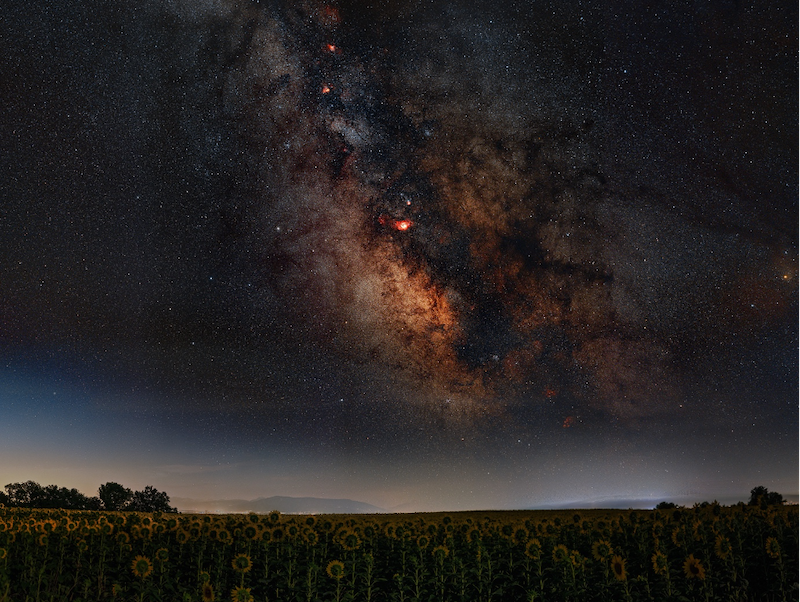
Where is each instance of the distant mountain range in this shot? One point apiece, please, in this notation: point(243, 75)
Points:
point(286, 505)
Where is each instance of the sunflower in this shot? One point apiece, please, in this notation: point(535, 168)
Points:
point(423, 541)
point(350, 540)
point(773, 548)
point(274, 516)
point(693, 569)
point(207, 594)
point(3, 553)
point(162, 554)
point(250, 532)
point(204, 577)
point(116, 590)
point(618, 566)
point(278, 534)
point(601, 550)
point(521, 535)
point(335, 569)
point(311, 537)
point(141, 566)
point(561, 554)
point(241, 563)
point(660, 563)
point(440, 553)
point(533, 549)
point(241, 594)
point(722, 547)
point(42, 539)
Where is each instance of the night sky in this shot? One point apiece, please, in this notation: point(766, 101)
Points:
point(424, 255)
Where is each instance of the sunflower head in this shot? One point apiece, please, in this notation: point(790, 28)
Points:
point(618, 568)
point(423, 541)
point(561, 554)
point(335, 569)
point(533, 549)
point(773, 548)
point(722, 547)
point(142, 567)
point(241, 594)
point(350, 540)
point(204, 577)
point(162, 554)
point(207, 593)
point(250, 532)
point(274, 516)
point(42, 539)
point(241, 563)
point(3, 553)
point(693, 569)
point(440, 553)
point(660, 563)
point(601, 550)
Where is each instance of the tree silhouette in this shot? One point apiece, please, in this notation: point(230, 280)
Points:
point(32, 495)
point(114, 496)
point(150, 500)
point(111, 496)
point(763, 497)
point(25, 495)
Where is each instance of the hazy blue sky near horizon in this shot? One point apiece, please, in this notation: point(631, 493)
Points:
point(424, 255)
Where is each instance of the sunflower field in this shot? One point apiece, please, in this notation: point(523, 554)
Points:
point(709, 552)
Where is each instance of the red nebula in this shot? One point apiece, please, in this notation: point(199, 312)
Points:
point(331, 16)
point(402, 225)
point(568, 422)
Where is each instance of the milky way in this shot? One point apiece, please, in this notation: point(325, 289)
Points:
point(477, 254)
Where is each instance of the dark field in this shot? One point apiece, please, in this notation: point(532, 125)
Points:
point(707, 552)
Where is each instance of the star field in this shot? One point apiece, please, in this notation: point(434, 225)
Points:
point(428, 255)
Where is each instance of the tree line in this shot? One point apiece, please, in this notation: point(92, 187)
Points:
point(759, 496)
point(110, 496)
